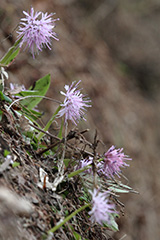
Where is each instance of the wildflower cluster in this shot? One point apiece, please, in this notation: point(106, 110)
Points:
point(110, 164)
point(36, 32)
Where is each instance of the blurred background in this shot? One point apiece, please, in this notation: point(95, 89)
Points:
point(113, 46)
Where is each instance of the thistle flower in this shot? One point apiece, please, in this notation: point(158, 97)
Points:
point(37, 31)
point(74, 104)
point(113, 160)
point(101, 208)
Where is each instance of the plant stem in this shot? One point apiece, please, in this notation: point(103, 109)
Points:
point(68, 218)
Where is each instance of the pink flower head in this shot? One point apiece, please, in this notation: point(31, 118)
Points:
point(37, 31)
point(113, 160)
point(74, 104)
point(101, 208)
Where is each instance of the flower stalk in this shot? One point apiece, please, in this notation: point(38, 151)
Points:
point(55, 228)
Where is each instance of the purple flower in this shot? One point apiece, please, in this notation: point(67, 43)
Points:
point(85, 162)
point(113, 160)
point(74, 104)
point(101, 208)
point(37, 31)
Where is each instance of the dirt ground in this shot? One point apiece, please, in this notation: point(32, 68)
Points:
point(116, 55)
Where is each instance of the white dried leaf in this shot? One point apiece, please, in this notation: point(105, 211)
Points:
point(44, 180)
point(3, 74)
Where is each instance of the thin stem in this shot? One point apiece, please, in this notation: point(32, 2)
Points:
point(47, 133)
point(33, 96)
point(48, 148)
point(80, 150)
point(61, 140)
point(10, 34)
point(68, 218)
point(94, 162)
point(61, 163)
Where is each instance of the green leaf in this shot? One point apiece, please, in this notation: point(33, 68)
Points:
point(77, 236)
point(40, 88)
point(72, 174)
point(83, 198)
point(6, 152)
point(61, 128)
point(1, 114)
point(11, 54)
point(66, 162)
point(31, 114)
point(3, 97)
point(15, 164)
point(118, 190)
point(54, 209)
point(118, 187)
point(113, 225)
